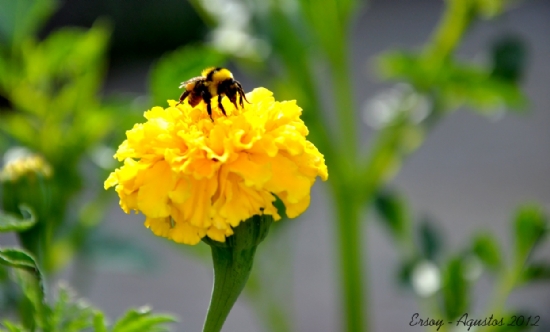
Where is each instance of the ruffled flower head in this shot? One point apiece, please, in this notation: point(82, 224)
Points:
point(27, 165)
point(193, 177)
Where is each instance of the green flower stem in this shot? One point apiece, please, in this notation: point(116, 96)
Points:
point(345, 108)
point(233, 261)
point(353, 278)
point(506, 282)
point(351, 241)
point(503, 289)
point(456, 19)
point(231, 271)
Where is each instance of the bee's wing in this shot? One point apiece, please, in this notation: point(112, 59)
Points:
point(194, 79)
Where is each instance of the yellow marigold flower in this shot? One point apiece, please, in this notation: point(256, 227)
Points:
point(26, 165)
point(192, 177)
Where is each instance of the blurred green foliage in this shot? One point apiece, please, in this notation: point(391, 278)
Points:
point(53, 124)
point(52, 87)
point(11, 223)
point(447, 288)
point(169, 71)
point(53, 108)
point(481, 89)
point(140, 32)
point(301, 51)
point(66, 314)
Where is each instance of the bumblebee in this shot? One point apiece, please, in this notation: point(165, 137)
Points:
point(214, 81)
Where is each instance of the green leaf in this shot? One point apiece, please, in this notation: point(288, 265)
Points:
point(64, 74)
point(8, 291)
point(141, 320)
point(536, 272)
point(99, 322)
point(476, 88)
point(529, 225)
point(12, 327)
point(394, 213)
point(405, 272)
point(486, 248)
point(178, 66)
point(30, 279)
point(70, 314)
point(431, 239)
point(12, 223)
point(407, 66)
point(455, 289)
point(20, 259)
point(509, 55)
point(454, 84)
point(23, 18)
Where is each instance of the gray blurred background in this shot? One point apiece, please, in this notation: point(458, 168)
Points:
point(470, 174)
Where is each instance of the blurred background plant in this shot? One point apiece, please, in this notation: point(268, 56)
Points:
point(55, 134)
point(66, 313)
point(300, 49)
point(303, 47)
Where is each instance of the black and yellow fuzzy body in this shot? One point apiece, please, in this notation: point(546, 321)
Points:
point(215, 81)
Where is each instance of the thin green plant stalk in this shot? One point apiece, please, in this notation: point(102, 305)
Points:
point(350, 242)
point(451, 28)
point(350, 239)
point(351, 200)
point(506, 283)
point(384, 161)
point(345, 108)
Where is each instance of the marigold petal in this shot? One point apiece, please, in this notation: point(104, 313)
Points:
point(294, 209)
point(153, 198)
point(159, 226)
point(254, 169)
point(216, 234)
point(187, 234)
point(286, 178)
point(111, 181)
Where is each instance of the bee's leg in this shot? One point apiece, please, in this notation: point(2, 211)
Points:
point(206, 99)
point(209, 109)
point(183, 96)
point(220, 104)
point(243, 95)
point(233, 99)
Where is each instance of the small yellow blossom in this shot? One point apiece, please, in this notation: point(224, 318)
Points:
point(193, 177)
point(28, 165)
